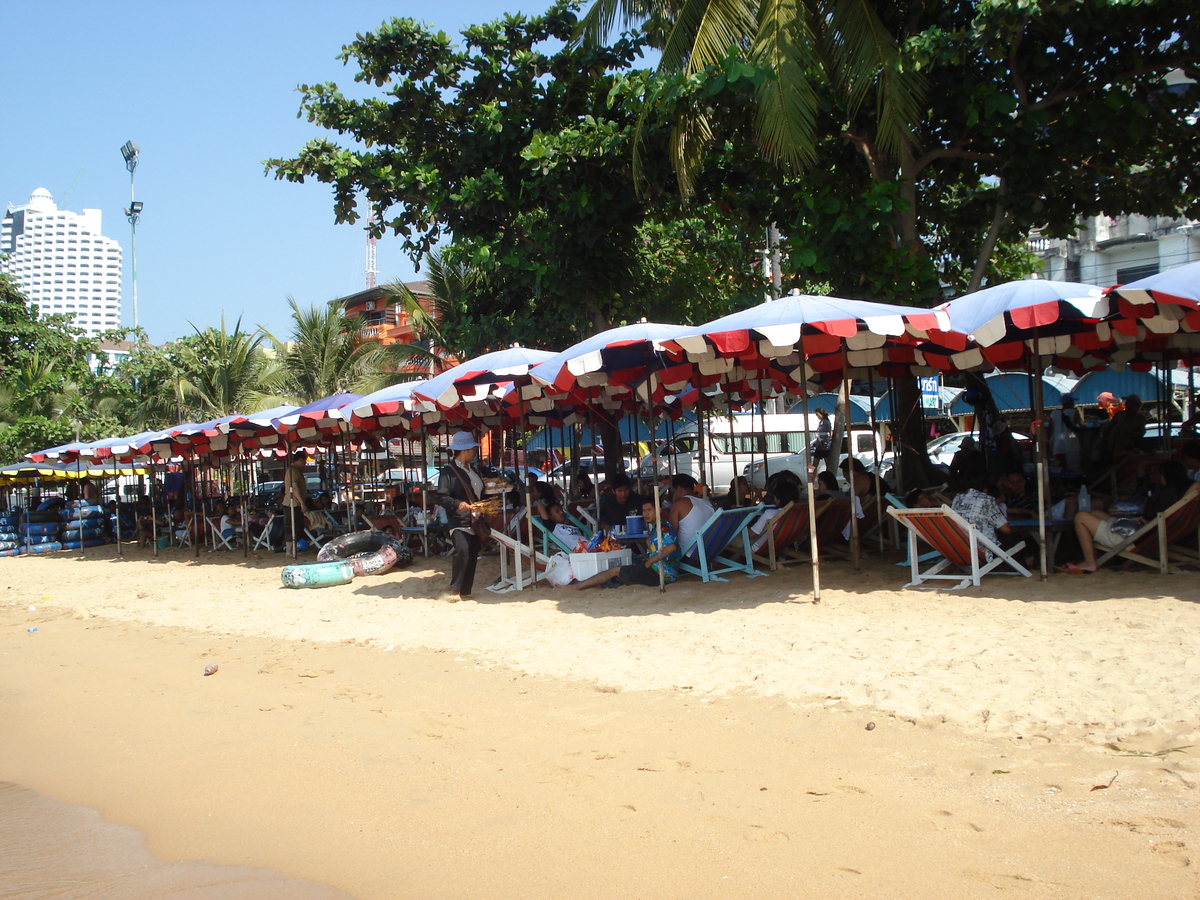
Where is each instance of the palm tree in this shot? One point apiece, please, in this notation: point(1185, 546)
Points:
point(428, 355)
point(327, 355)
point(229, 372)
point(842, 45)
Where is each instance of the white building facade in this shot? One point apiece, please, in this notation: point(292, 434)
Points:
point(62, 262)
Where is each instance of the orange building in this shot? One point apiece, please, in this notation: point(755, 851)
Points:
point(385, 320)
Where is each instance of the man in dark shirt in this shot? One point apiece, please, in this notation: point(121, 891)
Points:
point(620, 502)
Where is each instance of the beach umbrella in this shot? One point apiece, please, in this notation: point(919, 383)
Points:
point(1009, 325)
point(61, 453)
point(318, 422)
point(1157, 317)
point(475, 390)
point(385, 409)
point(780, 344)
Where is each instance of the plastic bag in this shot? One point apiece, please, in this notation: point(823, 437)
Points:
point(558, 570)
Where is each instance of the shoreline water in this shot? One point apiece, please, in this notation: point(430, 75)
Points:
point(455, 764)
point(70, 852)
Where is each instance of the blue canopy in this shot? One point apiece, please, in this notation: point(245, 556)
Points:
point(1146, 385)
point(632, 431)
point(860, 407)
point(1013, 392)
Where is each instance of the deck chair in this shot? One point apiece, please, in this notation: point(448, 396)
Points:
point(1160, 540)
point(830, 526)
point(787, 530)
point(521, 575)
point(898, 502)
point(959, 542)
point(702, 556)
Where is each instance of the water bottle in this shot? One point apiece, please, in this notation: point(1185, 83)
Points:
point(1085, 500)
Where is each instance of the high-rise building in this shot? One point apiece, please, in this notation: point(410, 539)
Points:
point(62, 262)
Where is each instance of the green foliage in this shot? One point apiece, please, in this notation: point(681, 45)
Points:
point(520, 146)
point(325, 355)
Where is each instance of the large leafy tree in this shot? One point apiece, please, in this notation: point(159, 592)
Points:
point(518, 147)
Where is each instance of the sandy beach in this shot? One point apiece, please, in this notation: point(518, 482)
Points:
point(721, 740)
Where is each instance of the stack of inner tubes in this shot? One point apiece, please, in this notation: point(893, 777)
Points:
point(11, 542)
point(40, 531)
point(84, 525)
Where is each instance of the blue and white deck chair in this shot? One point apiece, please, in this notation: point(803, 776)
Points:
point(703, 555)
point(551, 542)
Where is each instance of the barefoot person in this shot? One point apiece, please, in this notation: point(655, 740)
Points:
point(458, 487)
point(1169, 483)
point(665, 557)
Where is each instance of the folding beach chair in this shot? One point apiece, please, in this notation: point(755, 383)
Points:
point(786, 531)
point(521, 574)
point(703, 555)
point(830, 526)
point(898, 502)
point(219, 541)
point(959, 542)
point(1161, 539)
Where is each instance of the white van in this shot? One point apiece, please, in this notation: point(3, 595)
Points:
point(744, 438)
point(863, 443)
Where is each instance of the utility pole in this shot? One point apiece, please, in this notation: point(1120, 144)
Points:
point(130, 152)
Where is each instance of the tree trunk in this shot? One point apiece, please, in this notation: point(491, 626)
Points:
point(610, 437)
point(914, 468)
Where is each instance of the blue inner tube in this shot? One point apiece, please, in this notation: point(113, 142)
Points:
point(317, 575)
point(41, 528)
point(45, 548)
point(370, 552)
point(18, 551)
point(76, 545)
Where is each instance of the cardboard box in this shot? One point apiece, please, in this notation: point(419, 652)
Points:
point(585, 565)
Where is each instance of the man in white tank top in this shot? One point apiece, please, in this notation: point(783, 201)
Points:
point(689, 512)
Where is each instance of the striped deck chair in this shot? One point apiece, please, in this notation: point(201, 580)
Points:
point(703, 555)
point(1161, 539)
point(959, 542)
point(787, 530)
point(830, 527)
point(898, 502)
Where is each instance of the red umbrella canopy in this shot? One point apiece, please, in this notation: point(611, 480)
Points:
point(1156, 317)
point(473, 391)
point(780, 344)
point(609, 373)
point(1008, 325)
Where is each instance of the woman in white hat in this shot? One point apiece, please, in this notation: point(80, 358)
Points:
point(458, 487)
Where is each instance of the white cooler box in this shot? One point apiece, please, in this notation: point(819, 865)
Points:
point(585, 565)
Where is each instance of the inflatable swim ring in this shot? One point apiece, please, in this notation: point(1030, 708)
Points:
point(370, 552)
point(45, 548)
point(76, 545)
point(41, 528)
point(317, 575)
point(19, 551)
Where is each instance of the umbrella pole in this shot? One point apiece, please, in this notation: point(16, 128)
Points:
point(1039, 437)
point(117, 492)
point(244, 466)
point(875, 439)
point(153, 513)
point(855, 548)
point(810, 475)
point(528, 496)
point(79, 481)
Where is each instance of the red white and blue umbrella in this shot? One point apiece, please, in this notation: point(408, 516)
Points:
point(1156, 315)
point(473, 391)
point(614, 371)
point(1008, 325)
point(781, 344)
point(316, 422)
point(384, 410)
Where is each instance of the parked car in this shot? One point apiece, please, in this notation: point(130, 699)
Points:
point(759, 473)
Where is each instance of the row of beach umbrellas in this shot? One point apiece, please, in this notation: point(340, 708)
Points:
point(793, 345)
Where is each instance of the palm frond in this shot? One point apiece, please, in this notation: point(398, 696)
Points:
point(785, 119)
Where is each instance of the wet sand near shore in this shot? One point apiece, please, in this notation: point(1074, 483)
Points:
point(50, 849)
point(449, 766)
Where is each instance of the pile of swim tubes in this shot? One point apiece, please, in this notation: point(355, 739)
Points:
point(347, 557)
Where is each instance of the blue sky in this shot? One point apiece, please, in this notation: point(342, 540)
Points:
point(207, 90)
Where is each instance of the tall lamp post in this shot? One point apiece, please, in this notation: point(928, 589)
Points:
point(130, 152)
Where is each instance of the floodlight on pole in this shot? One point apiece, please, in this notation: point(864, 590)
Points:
point(129, 151)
